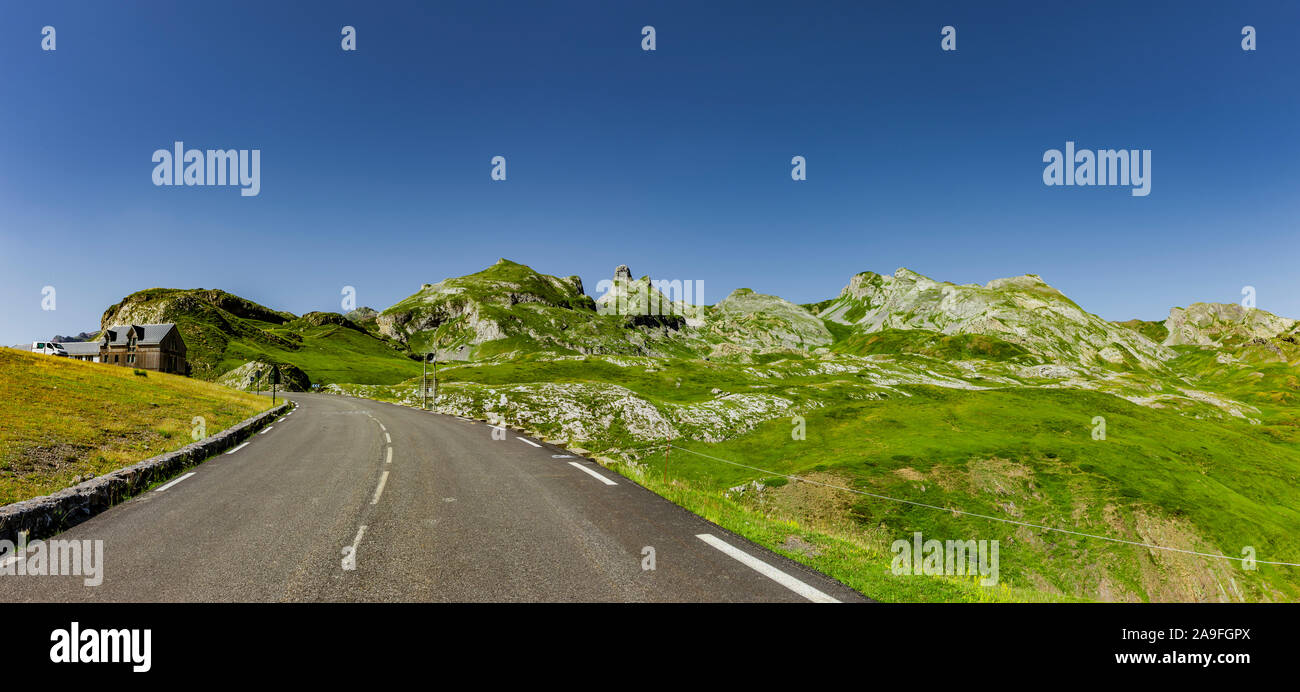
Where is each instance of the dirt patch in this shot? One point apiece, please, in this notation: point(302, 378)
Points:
point(1174, 576)
point(825, 509)
point(796, 544)
point(909, 473)
point(51, 459)
point(998, 476)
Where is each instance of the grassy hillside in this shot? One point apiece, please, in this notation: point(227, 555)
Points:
point(1194, 479)
point(979, 398)
point(223, 332)
point(934, 344)
point(64, 420)
point(510, 307)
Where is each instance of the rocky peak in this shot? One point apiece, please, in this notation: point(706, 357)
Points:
point(1206, 324)
point(622, 273)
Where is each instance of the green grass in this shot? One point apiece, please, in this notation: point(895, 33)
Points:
point(932, 344)
point(330, 353)
point(223, 331)
point(1214, 485)
point(1028, 455)
point(65, 418)
point(1152, 330)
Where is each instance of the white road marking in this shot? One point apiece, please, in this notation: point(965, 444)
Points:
point(388, 439)
point(561, 456)
point(383, 480)
point(237, 448)
point(381, 425)
point(521, 439)
point(591, 473)
point(266, 431)
point(350, 552)
point(767, 570)
point(178, 480)
point(390, 456)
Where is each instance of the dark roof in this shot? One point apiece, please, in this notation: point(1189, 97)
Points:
point(80, 348)
point(144, 333)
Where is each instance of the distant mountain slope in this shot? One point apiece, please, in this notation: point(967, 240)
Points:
point(223, 331)
point(1222, 324)
point(760, 321)
point(1152, 330)
point(509, 306)
point(1022, 310)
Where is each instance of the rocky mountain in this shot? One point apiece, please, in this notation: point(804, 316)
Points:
point(641, 302)
point(1222, 324)
point(985, 397)
point(763, 323)
point(83, 336)
point(256, 376)
point(1021, 310)
point(509, 307)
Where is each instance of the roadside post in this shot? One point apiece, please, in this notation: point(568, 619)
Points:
point(429, 357)
point(666, 450)
point(275, 379)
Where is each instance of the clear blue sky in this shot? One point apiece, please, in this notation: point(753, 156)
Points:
point(375, 164)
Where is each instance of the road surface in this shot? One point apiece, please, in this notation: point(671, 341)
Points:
point(429, 507)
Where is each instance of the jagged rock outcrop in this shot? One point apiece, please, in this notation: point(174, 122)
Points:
point(256, 376)
point(1222, 324)
point(759, 321)
point(1021, 310)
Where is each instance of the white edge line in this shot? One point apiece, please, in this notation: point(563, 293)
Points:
point(237, 448)
point(268, 429)
point(383, 480)
point(591, 473)
point(178, 480)
point(388, 439)
point(390, 456)
point(524, 439)
point(767, 570)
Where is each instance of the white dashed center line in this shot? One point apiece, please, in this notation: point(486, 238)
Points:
point(390, 456)
point(767, 570)
point(383, 480)
point(350, 552)
point(591, 473)
point(388, 439)
point(178, 480)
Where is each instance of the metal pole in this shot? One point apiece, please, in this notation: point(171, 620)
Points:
point(435, 381)
point(424, 374)
point(666, 450)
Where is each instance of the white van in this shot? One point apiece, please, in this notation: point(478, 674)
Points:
point(49, 348)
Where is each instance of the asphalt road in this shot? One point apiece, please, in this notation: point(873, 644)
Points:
point(451, 515)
